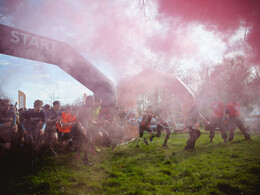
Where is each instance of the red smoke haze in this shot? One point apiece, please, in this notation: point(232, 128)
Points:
point(225, 16)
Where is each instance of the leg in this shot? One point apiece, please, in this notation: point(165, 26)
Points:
point(168, 131)
point(189, 142)
point(86, 148)
point(32, 144)
point(194, 135)
point(151, 138)
point(223, 131)
point(141, 132)
point(28, 144)
point(39, 143)
point(242, 128)
point(149, 130)
point(213, 125)
point(54, 139)
point(50, 139)
point(160, 127)
point(197, 134)
point(78, 147)
point(232, 128)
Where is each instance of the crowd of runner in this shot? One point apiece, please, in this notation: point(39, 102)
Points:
point(48, 130)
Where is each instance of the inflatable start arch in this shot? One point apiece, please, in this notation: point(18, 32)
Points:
point(27, 45)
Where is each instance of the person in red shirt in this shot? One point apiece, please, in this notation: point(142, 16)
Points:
point(145, 125)
point(235, 119)
point(217, 119)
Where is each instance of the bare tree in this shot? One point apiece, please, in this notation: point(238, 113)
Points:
point(230, 77)
point(164, 65)
point(52, 96)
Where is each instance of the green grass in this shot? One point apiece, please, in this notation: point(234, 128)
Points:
point(212, 168)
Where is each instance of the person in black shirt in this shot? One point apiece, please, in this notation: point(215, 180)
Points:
point(192, 126)
point(33, 122)
point(52, 118)
point(84, 123)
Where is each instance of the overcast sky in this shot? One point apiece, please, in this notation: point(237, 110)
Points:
point(119, 37)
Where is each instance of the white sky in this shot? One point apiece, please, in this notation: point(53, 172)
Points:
point(38, 81)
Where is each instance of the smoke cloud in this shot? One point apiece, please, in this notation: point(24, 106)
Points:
point(123, 35)
point(105, 30)
point(220, 16)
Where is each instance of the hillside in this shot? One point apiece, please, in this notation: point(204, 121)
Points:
point(212, 168)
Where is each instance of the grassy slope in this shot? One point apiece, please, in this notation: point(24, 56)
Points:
point(212, 168)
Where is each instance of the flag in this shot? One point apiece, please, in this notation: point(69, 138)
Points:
point(21, 99)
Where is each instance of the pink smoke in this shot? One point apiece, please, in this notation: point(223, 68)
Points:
point(103, 30)
point(117, 32)
point(172, 43)
point(225, 16)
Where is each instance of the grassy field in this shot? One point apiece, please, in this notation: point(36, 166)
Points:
point(212, 168)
